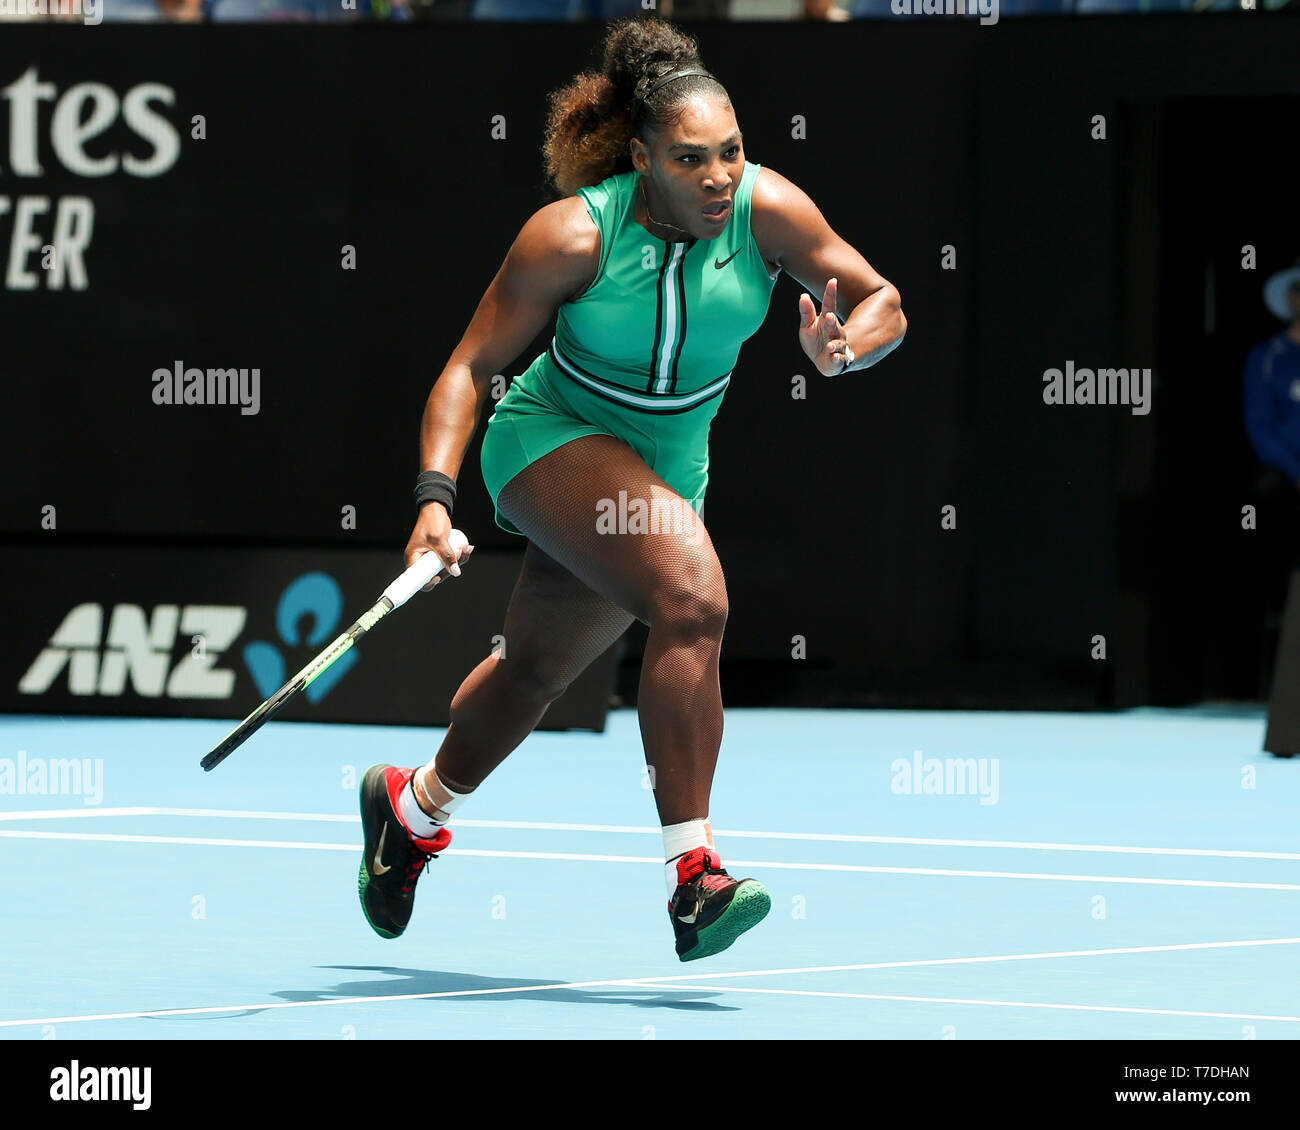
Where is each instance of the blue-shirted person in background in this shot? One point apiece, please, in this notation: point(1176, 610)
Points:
point(1272, 412)
point(1272, 381)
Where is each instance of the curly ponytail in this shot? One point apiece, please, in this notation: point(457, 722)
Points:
point(590, 123)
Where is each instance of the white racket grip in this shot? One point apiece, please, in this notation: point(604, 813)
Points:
point(426, 567)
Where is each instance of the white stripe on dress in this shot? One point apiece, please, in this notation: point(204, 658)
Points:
point(672, 284)
point(638, 400)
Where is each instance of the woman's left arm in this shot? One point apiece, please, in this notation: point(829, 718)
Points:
point(792, 232)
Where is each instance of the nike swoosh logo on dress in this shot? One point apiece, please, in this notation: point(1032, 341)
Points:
point(727, 260)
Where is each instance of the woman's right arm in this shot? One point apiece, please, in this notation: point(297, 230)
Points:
point(553, 259)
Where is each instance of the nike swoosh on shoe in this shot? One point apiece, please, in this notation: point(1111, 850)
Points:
point(378, 865)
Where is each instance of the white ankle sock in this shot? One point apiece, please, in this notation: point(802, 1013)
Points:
point(418, 822)
point(678, 840)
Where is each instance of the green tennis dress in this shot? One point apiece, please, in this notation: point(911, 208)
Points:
point(645, 353)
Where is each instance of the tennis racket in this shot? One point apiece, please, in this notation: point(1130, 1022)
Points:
point(426, 567)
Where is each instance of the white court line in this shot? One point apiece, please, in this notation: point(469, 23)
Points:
point(307, 845)
point(640, 982)
point(72, 813)
point(202, 841)
point(1000, 1004)
point(303, 845)
point(627, 829)
point(1049, 955)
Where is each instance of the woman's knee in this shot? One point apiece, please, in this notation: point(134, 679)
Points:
point(691, 597)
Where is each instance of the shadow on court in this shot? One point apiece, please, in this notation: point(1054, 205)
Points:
point(398, 981)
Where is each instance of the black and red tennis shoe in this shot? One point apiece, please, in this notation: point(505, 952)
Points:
point(710, 909)
point(392, 858)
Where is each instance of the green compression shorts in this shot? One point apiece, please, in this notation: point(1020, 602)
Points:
point(545, 408)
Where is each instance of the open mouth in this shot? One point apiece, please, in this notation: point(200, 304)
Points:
point(718, 210)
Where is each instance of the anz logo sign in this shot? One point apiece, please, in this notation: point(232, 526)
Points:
point(316, 595)
point(100, 649)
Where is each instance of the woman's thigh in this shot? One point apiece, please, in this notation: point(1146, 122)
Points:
point(596, 508)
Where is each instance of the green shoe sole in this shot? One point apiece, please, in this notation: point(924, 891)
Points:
point(363, 880)
point(748, 908)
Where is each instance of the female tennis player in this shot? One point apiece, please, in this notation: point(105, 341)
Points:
point(657, 265)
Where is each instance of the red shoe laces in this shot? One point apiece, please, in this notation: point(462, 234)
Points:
point(418, 861)
point(715, 880)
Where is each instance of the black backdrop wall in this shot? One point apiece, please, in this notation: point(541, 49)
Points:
point(918, 141)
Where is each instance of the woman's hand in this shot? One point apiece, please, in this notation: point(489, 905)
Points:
point(821, 335)
point(432, 535)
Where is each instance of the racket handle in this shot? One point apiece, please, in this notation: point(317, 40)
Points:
point(426, 567)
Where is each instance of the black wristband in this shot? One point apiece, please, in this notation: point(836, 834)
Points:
point(434, 486)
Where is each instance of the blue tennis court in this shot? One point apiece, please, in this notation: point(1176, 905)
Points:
point(934, 875)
